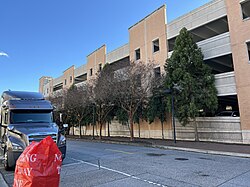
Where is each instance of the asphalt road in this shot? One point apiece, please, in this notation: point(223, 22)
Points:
point(134, 166)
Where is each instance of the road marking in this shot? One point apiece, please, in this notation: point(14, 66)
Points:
point(120, 172)
point(119, 151)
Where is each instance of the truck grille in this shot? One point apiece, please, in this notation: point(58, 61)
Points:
point(38, 138)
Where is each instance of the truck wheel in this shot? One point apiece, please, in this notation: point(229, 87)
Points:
point(6, 160)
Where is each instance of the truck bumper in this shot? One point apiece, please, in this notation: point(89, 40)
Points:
point(14, 155)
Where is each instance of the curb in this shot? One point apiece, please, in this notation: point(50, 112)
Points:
point(2, 181)
point(242, 155)
point(223, 153)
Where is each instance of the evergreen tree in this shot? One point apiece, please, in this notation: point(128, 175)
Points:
point(186, 70)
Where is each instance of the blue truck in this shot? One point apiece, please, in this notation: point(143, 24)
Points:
point(26, 117)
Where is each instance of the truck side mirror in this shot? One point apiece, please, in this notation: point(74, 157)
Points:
point(65, 126)
point(60, 117)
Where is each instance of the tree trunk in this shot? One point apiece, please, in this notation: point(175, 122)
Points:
point(73, 131)
point(100, 136)
point(80, 130)
point(93, 135)
point(139, 129)
point(108, 130)
point(131, 122)
point(162, 130)
point(196, 131)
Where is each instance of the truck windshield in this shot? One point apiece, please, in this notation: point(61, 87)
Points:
point(31, 117)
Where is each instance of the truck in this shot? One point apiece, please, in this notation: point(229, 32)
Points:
point(26, 117)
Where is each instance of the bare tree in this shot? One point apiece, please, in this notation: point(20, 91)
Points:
point(103, 96)
point(133, 85)
point(76, 105)
point(57, 101)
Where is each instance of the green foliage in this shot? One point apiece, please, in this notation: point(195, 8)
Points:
point(157, 108)
point(122, 116)
point(186, 69)
point(141, 113)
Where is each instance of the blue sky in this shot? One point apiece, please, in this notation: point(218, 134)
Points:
point(45, 37)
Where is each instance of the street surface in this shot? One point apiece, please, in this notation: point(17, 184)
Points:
point(112, 165)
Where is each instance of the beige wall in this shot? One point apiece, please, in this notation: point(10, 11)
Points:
point(215, 129)
point(41, 84)
point(240, 33)
point(66, 76)
point(94, 59)
point(42, 81)
point(143, 33)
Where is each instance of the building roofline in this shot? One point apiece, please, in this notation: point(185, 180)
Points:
point(192, 11)
point(147, 16)
point(104, 45)
point(69, 68)
point(118, 48)
point(45, 77)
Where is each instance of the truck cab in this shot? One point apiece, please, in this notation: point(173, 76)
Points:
point(26, 117)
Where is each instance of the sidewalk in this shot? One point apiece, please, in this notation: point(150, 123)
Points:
point(238, 150)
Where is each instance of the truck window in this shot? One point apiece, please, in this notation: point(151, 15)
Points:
point(31, 117)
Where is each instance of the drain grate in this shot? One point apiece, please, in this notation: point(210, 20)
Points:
point(204, 175)
point(182, 159)
point(155, 154)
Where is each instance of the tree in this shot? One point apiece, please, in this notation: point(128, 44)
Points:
point(57, 100)
point(141, 115)
point(76, 105)
point(122, 116)
point(186, 70)
point(103, 96)
point(133, 86)
point(110, 117)
point(158, 108)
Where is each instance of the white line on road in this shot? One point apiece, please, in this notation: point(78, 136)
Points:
point(116, 171)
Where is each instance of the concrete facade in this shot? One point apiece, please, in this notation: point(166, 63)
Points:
point(144, 33)
point(95, 60)
point(44, 83)
point(222, 33)
point(216, 129)
point(240, 34)
point(68, 76)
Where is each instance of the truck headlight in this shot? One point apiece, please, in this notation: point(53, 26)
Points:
point(16, 147)
point(62, 140)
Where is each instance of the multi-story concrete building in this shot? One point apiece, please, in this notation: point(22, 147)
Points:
point(221, 29)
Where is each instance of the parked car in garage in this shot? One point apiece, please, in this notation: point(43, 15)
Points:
point(229, 113)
